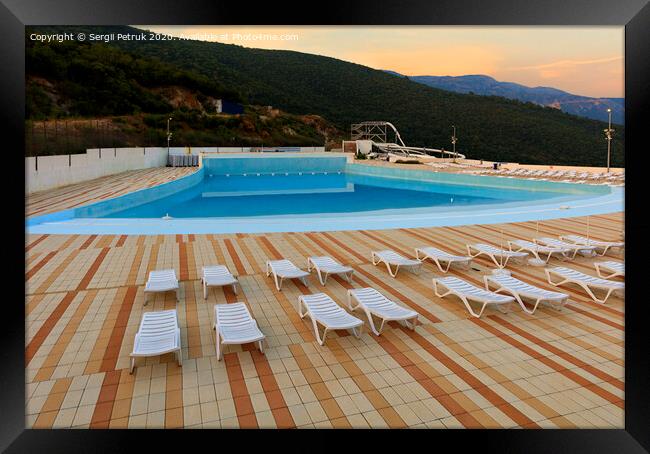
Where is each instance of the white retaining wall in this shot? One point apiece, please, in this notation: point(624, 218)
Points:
point(61, 170)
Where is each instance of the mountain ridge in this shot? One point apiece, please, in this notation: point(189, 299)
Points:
point(480, 84)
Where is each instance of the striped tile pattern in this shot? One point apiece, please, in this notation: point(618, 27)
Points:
point(85, 299)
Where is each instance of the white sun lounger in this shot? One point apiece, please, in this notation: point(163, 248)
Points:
point(161, 281)
point(466, 292)
point(392, 258)
point(325, 266)
point(520, 289)
point(158, 334)
point(374, 303)
point(217, 276)
point(494, 252)
point(587, 282)
point(438, 255)
point(284, 269)
point(604, 246)
point(574, 248)
point(615, 268)
point(536, 249)
point(234, 324)
point(322, 309)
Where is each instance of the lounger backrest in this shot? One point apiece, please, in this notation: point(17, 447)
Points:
point(236, 314)
point(487, 248)
point(389, 255)
point(283, 265)
point(162, 275)
point(464, 287)
point(577, 275)
point(216, 271)
point(515, 284)
point(321, 304)
point(525, 244)
point(158, 323)
point(371, 298)
point(324, 261)
point(430, 250)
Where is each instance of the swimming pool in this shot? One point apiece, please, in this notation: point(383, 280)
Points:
point(256, 193)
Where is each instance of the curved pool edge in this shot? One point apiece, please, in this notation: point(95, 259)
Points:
point(489, 214)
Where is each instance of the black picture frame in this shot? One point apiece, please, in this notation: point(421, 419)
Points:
point(633, 14)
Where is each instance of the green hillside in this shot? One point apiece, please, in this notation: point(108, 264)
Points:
point(488, 127)
point(81, 95)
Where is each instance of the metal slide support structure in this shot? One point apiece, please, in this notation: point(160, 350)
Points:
point(377, 132)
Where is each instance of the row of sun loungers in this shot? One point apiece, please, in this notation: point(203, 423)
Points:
point(568, 176)
point(159, 332)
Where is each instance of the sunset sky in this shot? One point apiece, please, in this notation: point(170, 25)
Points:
point(581, 60)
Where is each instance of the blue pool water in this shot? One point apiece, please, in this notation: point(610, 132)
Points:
point(280, 194)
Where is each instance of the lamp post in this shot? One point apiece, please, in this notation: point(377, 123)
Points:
point(453, 141)
point(169, 135)
point(608, 136)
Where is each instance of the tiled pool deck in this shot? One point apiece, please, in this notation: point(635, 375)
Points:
point(85, 298)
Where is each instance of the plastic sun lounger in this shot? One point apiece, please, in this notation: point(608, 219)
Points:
point(468, 292)
point(161, 281)
point(520, 289)
point(575, 248)
point(217, 276)
point(536, 249)
point(392, 258)
point(284, 269)
point(234, 324)
point(322, 309)
point(374, 303)
point(587, 282)
point(325, 266)
point(615, 268)
point(438, 255)
point(494, 252)
point(604, 246)
point(158, 334)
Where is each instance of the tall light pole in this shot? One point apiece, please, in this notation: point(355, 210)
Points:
point(608, 136)
point(453, 141)
point(169, 135)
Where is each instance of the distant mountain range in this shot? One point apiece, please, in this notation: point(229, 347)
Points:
point(583, 106)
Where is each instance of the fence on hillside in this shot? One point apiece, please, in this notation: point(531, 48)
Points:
point(69, 136)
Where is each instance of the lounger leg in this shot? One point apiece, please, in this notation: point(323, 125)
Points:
point(317, 334)
point(593, 296)
point(218, 346)
point(413, 323)
point(261, 346)
point(304, 281)
point(381, 327)
point(390, 271)
point(348, 276)
point(372, 323)
point(446, 269)
point(205, 290)
point(132, 365)
point(177, 296)
point(278, 285)
point(323, 280)
point(234, 288)
point(179, 356)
